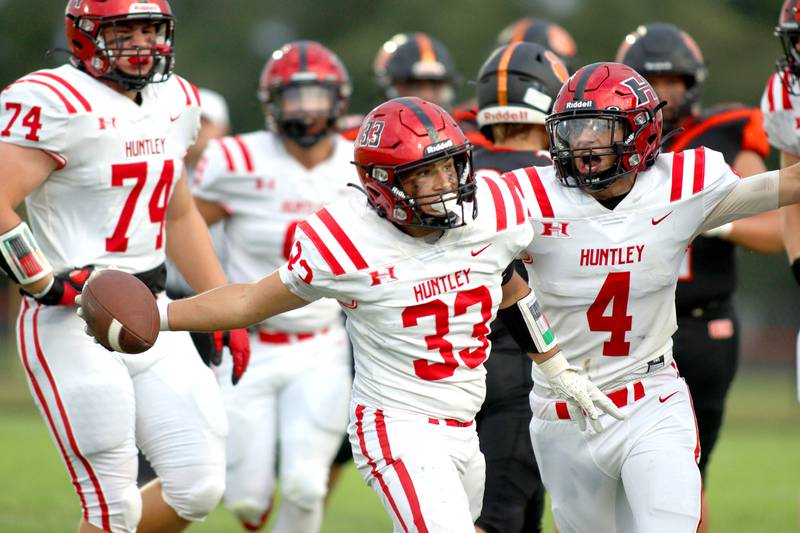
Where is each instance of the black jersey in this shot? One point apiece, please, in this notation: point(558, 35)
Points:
point(709, 269)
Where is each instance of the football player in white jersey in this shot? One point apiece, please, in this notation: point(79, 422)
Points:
point(612, 218)
point(95, 149)
point(418, 268)
point(781, 107)
point(261, 185)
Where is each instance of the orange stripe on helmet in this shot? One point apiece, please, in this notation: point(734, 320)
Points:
point(520, 29)
point(558, 67)
point(426, 51)
point(502, 74)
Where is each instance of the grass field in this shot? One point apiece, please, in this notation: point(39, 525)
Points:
point(754, 482)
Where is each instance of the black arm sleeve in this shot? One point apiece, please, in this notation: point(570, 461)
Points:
point(795, 270)
point(511, 317)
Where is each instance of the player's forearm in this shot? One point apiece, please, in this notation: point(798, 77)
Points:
point(540, 358)
point(761, 233)
point(189, 246)
point(790, 223)
point(232, 306)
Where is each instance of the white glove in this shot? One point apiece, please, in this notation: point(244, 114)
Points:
point(582, 396)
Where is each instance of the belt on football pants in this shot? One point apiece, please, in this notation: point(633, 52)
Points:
point(632, 392)
point(280, 337)
point(450, 422)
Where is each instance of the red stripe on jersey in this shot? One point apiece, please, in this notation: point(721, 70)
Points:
point(227, 154)
point(248, 161)
point(46, 409)
point(374, 467)
point(101, 500)
point(771, 92)
point(499, 204)
point(513, 182)
point(518, 210)
point(787, 103)
point(402, 473)
point(677, 177)
point(699, 170)
point(84, 102)
point(539, 191)
point(342, 238)
point(186, 92)
point(329, 258)
point(70, 108)
point(196, 93)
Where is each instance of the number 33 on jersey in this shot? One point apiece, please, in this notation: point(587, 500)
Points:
point(117, 164)
point(418, 312)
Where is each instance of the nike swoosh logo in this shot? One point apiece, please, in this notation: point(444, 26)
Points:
point(663, 399)
point(173, 119)
point(352, 305)
point(656, 222)
point(476, 253)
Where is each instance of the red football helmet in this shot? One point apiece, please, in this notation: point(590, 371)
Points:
point(788, 31)
point(605, 112)
point(304, 88)
point(400, 136)
point(85, 22)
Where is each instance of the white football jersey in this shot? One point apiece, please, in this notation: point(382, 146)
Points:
point(606, 278)
point(266, 193)
point(117, 164)
point(418, 312)
point(780, 105)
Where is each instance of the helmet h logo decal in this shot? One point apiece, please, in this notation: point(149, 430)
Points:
point(641, 90)
point(371, 133)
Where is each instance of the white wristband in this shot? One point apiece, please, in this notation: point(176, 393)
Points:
point(163, 313)
point(554, 366)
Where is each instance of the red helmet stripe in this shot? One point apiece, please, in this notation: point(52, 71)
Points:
point(502, 75)
point(422, 116)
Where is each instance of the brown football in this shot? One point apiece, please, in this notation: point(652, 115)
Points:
point(121, 311)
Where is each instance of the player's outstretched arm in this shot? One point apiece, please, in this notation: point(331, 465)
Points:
point(231, 306)
point(521, 314)
point(790, 222)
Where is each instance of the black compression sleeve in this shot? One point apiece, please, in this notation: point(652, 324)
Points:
point(796, 269)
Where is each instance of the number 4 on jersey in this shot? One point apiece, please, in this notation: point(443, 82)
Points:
point(615, 291)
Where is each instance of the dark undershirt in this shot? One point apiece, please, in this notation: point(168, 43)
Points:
point(612, 203)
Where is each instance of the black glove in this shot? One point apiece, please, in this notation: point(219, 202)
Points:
point(66, 286)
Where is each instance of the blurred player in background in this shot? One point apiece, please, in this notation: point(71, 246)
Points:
point(416, 64)
point(516, 88)
point(526, 30)
point(781, 107)
point(420, 273)
point(612, 218)
point(706, 345)
point(95, 148)
point(293, 406)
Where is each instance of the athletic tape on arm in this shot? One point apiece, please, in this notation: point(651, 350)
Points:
point(528, 326)
point(21, 257)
